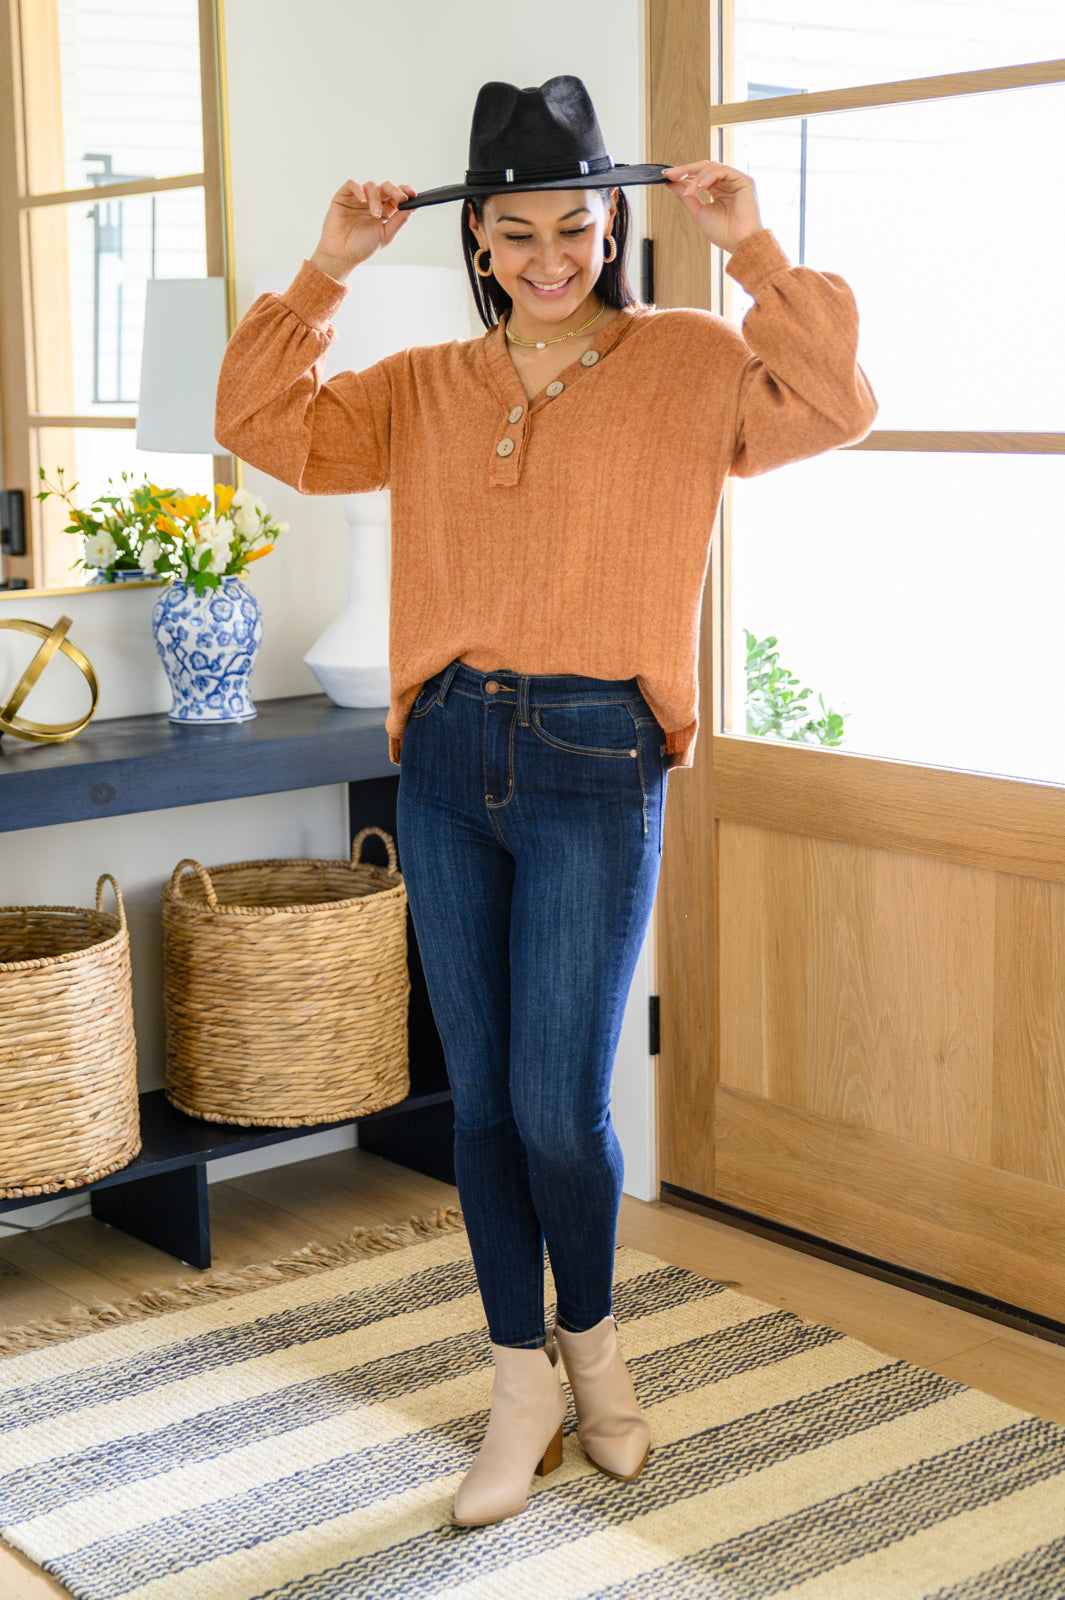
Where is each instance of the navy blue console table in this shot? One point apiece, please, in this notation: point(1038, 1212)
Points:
point(136, 764)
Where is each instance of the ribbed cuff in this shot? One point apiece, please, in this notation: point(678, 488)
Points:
point(680, 745)
point(314, 296)
point(756, 260)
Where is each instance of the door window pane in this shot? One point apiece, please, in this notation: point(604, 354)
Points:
point(941, 217)
point(921, 593)
point(829, 44)
point(90, 266)
point(129, 101)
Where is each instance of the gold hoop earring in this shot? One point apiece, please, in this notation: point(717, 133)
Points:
point(476, 263)
point(612, 242)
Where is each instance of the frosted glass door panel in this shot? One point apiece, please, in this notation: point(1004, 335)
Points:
point(922, 594)
point(943, 218)
point(807, 45)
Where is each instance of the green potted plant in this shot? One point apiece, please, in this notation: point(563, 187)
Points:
point(778, 706)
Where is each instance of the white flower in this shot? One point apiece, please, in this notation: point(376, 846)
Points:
point(219, 556)
point(282, 527)
point(100, 550)
point(217, 537)
point(248, 520)
point(151, 550)
point(247, 512)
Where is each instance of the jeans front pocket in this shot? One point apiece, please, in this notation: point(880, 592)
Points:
point(606, 728)
point(427, 697)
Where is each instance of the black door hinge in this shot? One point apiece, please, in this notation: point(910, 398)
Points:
point(647, 272)
point(654, 1031)
point(12, 522)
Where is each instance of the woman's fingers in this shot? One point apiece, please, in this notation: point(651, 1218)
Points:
point(392, 194)
point(706, 180)
point(379, 199)
point(351, 196)
point(720, 199)
point(362, 217)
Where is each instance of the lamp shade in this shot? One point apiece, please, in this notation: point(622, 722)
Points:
point(184, 341)
point(389, 308)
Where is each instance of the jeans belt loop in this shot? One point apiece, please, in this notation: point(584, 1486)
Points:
point(442, 692)
point(523, 701)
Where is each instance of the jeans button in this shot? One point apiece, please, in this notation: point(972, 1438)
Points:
point(491, 687)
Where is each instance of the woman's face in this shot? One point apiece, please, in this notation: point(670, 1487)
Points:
point(546, 248)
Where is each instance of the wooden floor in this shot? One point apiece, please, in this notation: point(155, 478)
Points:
point(256, 1218)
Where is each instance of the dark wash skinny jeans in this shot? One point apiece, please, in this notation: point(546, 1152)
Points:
point(530, 830)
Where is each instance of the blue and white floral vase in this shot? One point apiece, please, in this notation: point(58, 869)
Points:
point(208, 644)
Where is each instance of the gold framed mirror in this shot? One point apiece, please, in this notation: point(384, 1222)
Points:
point(113, 171)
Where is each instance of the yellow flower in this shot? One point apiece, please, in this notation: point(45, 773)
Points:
point(166, 525)
point(192, 507)
point(254, 555)
point(223, 493)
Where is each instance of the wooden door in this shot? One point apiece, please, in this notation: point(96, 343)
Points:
point(861, 962)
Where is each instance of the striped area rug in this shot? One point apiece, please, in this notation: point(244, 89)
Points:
point(302, 1441)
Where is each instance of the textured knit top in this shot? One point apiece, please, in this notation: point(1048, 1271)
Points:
point(570, 533)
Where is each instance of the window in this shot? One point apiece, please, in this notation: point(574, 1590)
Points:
point(912, 580)
point(110, 174)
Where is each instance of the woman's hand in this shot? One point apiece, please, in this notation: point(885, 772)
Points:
point(721, 200)
point(362, 217)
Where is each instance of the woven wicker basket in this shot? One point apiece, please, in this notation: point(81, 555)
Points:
point(286, 989)
point(69, 1112)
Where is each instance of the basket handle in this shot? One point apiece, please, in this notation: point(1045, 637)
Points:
point(105, 877)
point(356, 847)
point(203, 875)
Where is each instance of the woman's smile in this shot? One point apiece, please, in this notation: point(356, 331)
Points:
point(550, 291)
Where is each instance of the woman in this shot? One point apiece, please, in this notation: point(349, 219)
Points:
point(554, 486)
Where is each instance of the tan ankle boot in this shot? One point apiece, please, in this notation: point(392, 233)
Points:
point(524, 1436)
point(611, 1426)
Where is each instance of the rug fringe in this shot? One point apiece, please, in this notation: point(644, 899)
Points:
point(302, 1263)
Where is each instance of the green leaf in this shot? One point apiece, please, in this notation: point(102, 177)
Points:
point(778, 703)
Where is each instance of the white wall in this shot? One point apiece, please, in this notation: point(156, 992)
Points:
point(321, 91)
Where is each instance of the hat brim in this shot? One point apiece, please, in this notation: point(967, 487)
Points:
point(651, 172)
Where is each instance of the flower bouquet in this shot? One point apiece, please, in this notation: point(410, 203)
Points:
point(112, 529)
point(207, 624)
point(143, 531)
point(191, 545)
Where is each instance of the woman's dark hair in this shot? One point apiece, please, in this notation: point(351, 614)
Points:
point(612, 286)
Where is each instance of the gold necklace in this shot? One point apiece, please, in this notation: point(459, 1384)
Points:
point(542, 344)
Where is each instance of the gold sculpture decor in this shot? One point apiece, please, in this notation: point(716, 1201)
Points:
point(55, 639)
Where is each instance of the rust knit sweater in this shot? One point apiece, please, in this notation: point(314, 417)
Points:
point(569, 534)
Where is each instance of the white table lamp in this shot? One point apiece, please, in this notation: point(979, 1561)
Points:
point(388, 308)
point(184, 340)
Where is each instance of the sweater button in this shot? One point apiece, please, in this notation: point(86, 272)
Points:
point(554, 388)
point(589, 358)
point(505, 447)
point(517, 414)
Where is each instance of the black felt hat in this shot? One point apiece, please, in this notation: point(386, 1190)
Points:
point(545, 138)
